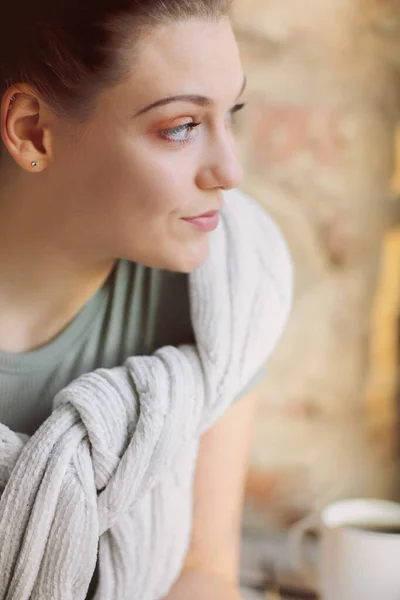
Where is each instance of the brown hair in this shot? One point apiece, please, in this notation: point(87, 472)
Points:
point(69, 50)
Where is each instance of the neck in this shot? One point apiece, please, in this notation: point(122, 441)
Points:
point(43, 283)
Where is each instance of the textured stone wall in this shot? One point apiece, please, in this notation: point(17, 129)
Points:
point(318, 147)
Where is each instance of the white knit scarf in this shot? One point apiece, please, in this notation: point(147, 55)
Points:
point(108, 476)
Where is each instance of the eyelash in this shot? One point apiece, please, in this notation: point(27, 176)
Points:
point(188, 127)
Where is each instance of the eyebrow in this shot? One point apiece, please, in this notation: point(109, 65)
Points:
point(194, 99)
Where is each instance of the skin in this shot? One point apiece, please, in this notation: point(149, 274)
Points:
point(118, 185)
point(114, 187)
point(211, 570)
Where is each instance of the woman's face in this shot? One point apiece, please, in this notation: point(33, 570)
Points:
point(157, 149)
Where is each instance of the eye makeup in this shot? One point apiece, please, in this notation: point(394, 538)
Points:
point(181, 133)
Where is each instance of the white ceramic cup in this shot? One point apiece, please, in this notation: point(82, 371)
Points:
point(355, 563)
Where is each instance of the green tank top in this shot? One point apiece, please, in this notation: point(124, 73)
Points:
point(136, 311)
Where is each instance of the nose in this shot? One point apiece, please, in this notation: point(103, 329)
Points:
point(221, 168)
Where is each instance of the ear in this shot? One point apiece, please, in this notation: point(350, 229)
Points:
point(25, 130)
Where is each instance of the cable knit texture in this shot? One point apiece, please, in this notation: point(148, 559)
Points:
point(109, 474)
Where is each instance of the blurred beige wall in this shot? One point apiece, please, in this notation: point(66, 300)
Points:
point(318, 148)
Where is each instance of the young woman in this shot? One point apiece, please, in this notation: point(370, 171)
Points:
point(117, 152)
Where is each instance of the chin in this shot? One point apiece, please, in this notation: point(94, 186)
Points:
point(190, 259)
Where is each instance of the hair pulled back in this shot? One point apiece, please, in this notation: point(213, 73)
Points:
point(69, 50)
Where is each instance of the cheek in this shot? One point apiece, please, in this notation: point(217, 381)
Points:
point(163, 179)
point(120, 177)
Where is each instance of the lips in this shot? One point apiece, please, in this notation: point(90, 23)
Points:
point(206, 222)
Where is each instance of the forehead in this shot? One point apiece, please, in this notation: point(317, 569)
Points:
point(194, 57)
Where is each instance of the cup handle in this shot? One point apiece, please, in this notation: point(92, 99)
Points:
point(296, 550)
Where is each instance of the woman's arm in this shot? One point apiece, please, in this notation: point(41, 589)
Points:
point(196, 585)
point(211, 570)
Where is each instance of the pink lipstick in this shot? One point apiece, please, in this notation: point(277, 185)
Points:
point(206, 222)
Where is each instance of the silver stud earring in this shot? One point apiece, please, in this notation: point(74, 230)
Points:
point(34, 163)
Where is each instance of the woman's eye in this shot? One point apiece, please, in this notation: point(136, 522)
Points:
point(181, 133)
point(231, 117)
